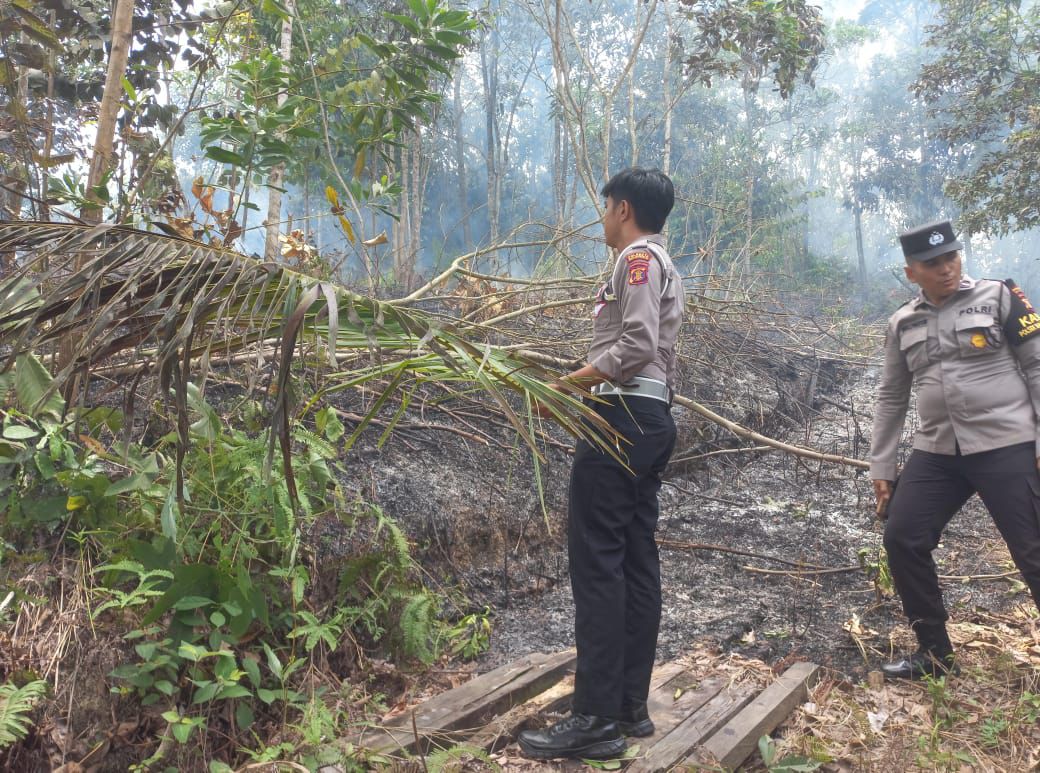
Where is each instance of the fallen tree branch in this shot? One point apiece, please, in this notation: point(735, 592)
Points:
point(459, 261)
point(841, 569)
point(744, 432)
point(709, 497)
point(678, 545)
point(732, 426)
point(721, 452)
point(357, 418)
point(968, 577)
point(798, 572)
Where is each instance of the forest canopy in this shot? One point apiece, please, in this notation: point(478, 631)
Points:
point(801, 138)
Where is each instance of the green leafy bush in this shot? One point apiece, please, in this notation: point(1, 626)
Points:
point(213, 588)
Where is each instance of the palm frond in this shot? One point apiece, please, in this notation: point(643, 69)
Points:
point(158, 304)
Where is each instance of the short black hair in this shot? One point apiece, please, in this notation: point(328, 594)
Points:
point(648, 191)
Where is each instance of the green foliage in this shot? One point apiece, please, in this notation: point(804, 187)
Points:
point(254, 133)
point(221, 613)
point(789, 764)
point(471, 635)
point(72, 190)
point(993, 728)
point(419, 626)
point(981, 90)
point(225, 618)
point(377, 86)
point(1028, 709)
point(631, 752)
point(384, 85)
point(875, 564)
point(15, 705)
point(458, 758)
point(748, 41)
point(70, 483)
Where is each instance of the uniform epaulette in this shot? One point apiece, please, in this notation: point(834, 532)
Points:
point(1023, 323)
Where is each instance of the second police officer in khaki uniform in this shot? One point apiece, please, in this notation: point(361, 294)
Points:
point(970, 350)
point(612, 512)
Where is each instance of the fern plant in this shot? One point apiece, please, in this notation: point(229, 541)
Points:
point(420, 627)
point(15, 705)
point(458, 758)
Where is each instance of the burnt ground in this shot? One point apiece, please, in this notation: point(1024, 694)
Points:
point(465, 491)
point(785, 507)
point(475, 515)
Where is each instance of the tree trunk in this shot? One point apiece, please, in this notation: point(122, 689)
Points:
point(666, 161)
point(862, 260)
point(489, 71)
point(420, 170)
point(108, 112)
point(48, 141)
point(632, 138)
point(857, 216)
point(277, 176)
point(749, 218)
point(460, 161)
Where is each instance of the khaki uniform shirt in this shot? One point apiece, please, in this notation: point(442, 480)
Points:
point(637, 315)
point(974, 364)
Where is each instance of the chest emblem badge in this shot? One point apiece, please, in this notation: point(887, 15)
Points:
point(978, 340)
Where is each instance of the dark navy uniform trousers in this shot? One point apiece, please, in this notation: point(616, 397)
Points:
point(931, 489)
point(614, 566)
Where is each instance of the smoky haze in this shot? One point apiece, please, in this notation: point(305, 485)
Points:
point(814, 188)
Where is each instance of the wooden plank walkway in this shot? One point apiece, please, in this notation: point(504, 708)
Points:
point(698, 722)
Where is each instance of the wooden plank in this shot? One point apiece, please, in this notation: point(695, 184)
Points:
point(665, 673)
point(503, 729)
point(691, 731)
point(468, 705)
point(734, 742)
point(667, 711)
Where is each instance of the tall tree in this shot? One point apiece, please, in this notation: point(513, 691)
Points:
point(459, 138)
point(983, 90)
point(751, 42)
point(489, 54)
point(108, 111)
point(275, 180)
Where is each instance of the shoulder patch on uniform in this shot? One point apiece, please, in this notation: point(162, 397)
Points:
point(638, 267)
point(1023, 322)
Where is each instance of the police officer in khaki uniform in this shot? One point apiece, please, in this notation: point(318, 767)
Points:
point(614, 566)
point(970, 350)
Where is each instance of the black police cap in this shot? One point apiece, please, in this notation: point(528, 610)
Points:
point(927, 241)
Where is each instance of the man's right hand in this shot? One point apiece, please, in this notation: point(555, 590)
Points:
point(882, 493)
point(541, 410)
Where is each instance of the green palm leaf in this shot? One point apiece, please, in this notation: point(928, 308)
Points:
point(157, 305)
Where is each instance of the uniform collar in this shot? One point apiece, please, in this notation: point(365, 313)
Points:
point(642, 241)
point(967, 283)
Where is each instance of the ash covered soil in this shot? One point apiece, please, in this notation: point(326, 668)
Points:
point(474, 513)
point(799, 510)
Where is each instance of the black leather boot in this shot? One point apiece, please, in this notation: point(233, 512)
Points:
point(921, 664)
point(582, 736)
point(636, 721)
point(934, 656)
